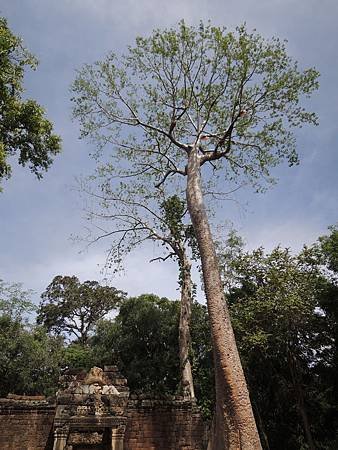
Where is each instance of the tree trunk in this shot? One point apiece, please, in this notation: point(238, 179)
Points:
point(295, 375)
point(261, 428)
point(234, 424)
point(306, 424)
point(184, 326)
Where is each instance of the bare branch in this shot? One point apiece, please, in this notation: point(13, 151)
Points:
point(164, 133)
point(161, 258)
point(170, 172)
point(225, 193)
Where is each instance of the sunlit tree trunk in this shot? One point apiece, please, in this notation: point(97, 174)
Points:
point(234, 423)
point(184, 325)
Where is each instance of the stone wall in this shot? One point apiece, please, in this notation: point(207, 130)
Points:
point(167, 424)
point(26, 425)
point(152, 424)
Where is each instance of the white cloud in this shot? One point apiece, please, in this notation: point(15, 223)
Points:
point(291, 233)
point(139, 277)
point(133, 15)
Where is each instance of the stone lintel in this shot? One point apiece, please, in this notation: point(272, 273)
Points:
point(91, 422)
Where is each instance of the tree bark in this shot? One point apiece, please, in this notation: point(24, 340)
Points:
point(184, 326)
point(234, 423)
point(295, 375)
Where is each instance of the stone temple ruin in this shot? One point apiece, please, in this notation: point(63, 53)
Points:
point(95, 411)
point(90, 410)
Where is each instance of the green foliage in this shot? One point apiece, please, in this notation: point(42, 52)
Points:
point(23, 126)
point(30, 360)
point(74, 308)
point(277, 285)
point(78, 356)
point(14, 301)
point(173, 210)
point(236, 91)
point(285, 337)
point(329, 249)
point(181, 235)
point(202, 360)
point(105, 342)
point(143, 341)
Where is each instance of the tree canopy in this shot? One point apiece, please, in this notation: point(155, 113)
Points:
point(286, 340)
point(234, 92)
point(72, 308)
point(15, 302)
point(24, 130)
point(143, 341)
point(30, 360)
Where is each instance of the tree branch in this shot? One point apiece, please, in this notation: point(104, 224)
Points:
point(161, 258)
point(170, 172)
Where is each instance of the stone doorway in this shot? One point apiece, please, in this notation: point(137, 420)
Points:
point(90, 412)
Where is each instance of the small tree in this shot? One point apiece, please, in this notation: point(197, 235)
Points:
point(73, 308)
point(142, 339)
point(15, 302)
point(190, 100)
point(30, 360)
point(23, 127)
point(329, 249)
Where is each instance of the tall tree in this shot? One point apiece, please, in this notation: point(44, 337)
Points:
point(124, 216)
point(24, 130)
point(180, 237)
point(190, 99)
point(74, 308)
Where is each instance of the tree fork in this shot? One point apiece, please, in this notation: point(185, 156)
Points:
point(234, 422)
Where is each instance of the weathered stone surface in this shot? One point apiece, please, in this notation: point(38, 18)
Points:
point(102, 419)
point(95, 376)
point(91, 407)
point(35, 398)
point(109, 389)
point(171, 423)
point(89, 438)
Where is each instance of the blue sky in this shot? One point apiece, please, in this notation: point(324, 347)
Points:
point(38, 217)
